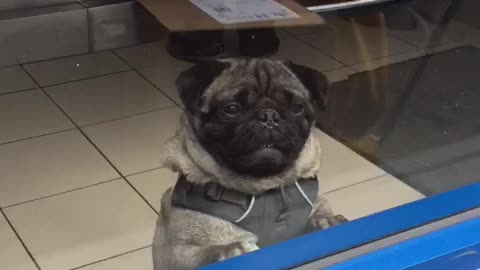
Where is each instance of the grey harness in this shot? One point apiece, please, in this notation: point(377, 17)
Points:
point(274, 216)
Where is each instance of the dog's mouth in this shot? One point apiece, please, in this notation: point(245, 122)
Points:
point(268, 150)
point(266, 160)
point(268, 146)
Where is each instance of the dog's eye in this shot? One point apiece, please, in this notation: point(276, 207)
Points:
point(231, 109)
point(297, 108)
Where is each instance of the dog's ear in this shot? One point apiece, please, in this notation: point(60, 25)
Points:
point(192, 82)
point(315, 82)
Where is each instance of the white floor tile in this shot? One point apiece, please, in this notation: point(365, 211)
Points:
point(337, 75)
point(75, 68)
point(108, 97)
point(152, 184)
point(49, 165)
point(355, 46)
point(148, 55)
point(84, 226)
point(371, 197)
point(449, 46)
point(14, 79)
point(134, 144)
point(341, 167)
point(28, 114)
point(300, 53)
point(388, 60)
point(137, 260)
point(164, 76)
point(12, 254)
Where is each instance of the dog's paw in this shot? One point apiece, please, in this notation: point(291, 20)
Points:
point(235, 249)
point(321, 222)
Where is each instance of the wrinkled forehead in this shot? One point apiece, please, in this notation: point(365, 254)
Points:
point(262, 75)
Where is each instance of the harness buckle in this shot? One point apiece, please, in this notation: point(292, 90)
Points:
point(214, 191)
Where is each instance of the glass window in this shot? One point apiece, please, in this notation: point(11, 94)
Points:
point(175, 134)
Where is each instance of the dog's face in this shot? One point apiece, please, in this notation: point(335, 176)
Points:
point(252, 115)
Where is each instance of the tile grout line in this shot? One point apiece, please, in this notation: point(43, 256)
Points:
point(353, 72)
point(64, 83)
point(18, 91)
point(351, 65)
point(140, 194)
point(388, 32)
point(321, 51)
point(398, 38)
point(62, 192)
point(298, 38)
point(145, 78)
point(144, 171)
point(153, 66)
point(383, 57)
point(20, 239)
point(140, 44)
point(93, 144)
point(334, 69)
point(423, 51)
point(416, 49)
point(111, 257)
point(9, 66)
point(129, 116)
point(89, 125)
point(359, 183)
point(82, 126)
point(58, 58)
point(179, 105)
point(38, 136)
point(404, 40)
point(87, 78)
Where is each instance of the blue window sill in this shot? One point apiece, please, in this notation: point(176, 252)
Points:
point(455, 247)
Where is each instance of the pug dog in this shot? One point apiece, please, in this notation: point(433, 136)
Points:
point(247, 155)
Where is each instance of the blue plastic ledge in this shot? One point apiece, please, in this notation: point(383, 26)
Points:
point(320, 244)
point(454, 247)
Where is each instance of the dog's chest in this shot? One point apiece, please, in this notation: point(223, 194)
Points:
point(274, 216)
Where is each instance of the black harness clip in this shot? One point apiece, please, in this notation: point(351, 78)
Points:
point(214, 191)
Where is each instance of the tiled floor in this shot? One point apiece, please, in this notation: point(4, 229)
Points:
point(81, 139)
point(90, 101)
point(29, 114)
point(14, 79)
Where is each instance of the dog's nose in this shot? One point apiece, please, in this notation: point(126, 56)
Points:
point(269, 117)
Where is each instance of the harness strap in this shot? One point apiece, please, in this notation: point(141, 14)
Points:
point(235, 206)
point(204, 197)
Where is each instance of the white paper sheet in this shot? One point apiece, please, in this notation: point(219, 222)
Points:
point(240, 11)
